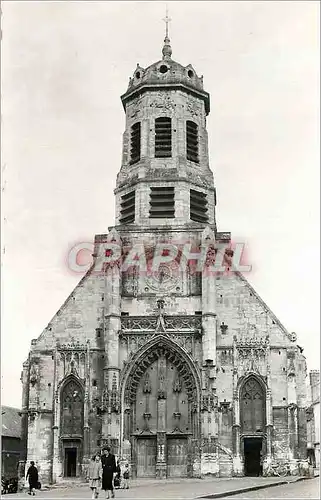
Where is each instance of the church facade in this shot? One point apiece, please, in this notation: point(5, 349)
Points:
point(163, 350)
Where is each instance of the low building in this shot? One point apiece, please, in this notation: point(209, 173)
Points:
point(11, 443)
point(313, 419)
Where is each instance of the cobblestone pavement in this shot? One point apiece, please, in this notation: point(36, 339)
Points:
point(302, 489)
point(169, 489)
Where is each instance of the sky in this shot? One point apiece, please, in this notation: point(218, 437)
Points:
point(64, 67)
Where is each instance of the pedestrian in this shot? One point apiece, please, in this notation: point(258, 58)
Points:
point(32, 476)
point(95, 475)
point(109, 469)
point(126, 477)
point(118, 476)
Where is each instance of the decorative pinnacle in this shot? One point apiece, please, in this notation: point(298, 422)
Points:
point(167, 49)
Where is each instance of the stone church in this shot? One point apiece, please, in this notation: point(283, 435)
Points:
point(182, 370)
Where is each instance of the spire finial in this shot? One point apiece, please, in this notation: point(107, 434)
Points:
point(167, 21)
point(167, 50)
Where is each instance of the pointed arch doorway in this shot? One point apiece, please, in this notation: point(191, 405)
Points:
point(71, 426)
point(161, 417)
point(253, 420)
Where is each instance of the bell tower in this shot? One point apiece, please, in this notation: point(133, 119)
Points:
point(165, 177)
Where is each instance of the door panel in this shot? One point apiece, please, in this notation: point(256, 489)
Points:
point(146, 457)
point(177, 457)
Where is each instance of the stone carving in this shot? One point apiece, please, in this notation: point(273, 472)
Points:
point(72, 345)
point(252, 340)
point(293, 337)
point(250, 358)
point(226, 357)
point(105, 400)
point(291, 367)
point(161, 393)
point(251, 351)
point(133, 342)
point(178, 323)
point(172, 323)
point(114, 397)
point(210, 255)
point(162, 173)
point(147, 389)
point(95, 404)
point(139, 323)
point(34, 374)
point(193, 107)
point(163, 101)
point(165, 278)
point(225, 407)
point(209, 402)
point(135, 108)
point(157, 352)
point(223, 328)
point(177, 386)
point(73, 362)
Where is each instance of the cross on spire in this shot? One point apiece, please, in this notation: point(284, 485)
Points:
point(167, 20)
point(167, 50)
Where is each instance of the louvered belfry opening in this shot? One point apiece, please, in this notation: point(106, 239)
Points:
point(135, 143)
point(198, 206)
point(163, 137)
point(162, 203)
point(127, 208)
point(192, 141)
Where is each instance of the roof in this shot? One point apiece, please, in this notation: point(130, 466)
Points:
point(11, 422)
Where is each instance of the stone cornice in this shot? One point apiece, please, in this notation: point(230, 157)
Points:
point(141, 89)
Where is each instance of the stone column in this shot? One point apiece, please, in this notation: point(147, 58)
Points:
point(161, 461)
point(24, 424)
point(112, 326)
point(238, 465)
point(268, 411)
point(86, 447)
point(56, 458)
point(209, 299)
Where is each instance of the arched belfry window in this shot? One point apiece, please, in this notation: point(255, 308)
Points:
point(135, 134)
point(72, 409)
point(163, 137)
point(252, 399)
point(192, 141)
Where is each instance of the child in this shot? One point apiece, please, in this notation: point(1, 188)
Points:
point(126, 477)
point(95, 475)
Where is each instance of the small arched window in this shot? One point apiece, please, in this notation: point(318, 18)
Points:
point(192, 141)
point(163, 137)
point(135, 143)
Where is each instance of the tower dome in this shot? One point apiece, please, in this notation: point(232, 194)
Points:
point(166, 73)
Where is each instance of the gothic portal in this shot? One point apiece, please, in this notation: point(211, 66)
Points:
point(164, 350)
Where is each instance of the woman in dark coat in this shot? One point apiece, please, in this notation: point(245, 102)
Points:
point(32, 474)
point(109, 469)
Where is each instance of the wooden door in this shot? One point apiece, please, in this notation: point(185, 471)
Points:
point(146, 457)
point(177, 457)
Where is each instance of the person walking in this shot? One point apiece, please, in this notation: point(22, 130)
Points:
point(109, 469)
point(95, 475)
point(126, 477)
point(32, 476)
